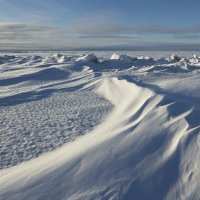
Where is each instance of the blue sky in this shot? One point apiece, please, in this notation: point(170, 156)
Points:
point(100, 24)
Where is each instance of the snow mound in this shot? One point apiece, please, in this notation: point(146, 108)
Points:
point(195, 59)
point(175, 57)
point(144, 58)
point(6, 58)
point(33, 60)
point(122, 57)
point(195, 56)
point(88, 58)
point(35, 57)
point(55, 58)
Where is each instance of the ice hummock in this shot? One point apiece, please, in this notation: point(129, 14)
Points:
point(122, 57)
point(87, 58)
point(175, 57)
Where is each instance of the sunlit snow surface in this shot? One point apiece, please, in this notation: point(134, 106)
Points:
point(100, 126)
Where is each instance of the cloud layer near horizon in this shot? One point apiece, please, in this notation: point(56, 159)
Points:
point(91, 33)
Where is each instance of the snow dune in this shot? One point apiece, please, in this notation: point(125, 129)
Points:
point(145, 148)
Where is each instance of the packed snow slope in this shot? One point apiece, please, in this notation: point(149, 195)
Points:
point(87, 127)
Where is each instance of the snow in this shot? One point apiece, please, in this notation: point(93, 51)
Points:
point(122, 57)
point(34, 127)
point(175, 57)
point(89, 127)
point(88, 58)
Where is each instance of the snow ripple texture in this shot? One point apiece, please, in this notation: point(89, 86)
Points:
point(29, 129)
point(40, 126)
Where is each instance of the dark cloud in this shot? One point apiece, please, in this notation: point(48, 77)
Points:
point(26, 33)
point(107, 37)
point(24, 27)
point(187, 37)
point(145, 47)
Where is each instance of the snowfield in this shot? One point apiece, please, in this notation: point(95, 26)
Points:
point(92, 127)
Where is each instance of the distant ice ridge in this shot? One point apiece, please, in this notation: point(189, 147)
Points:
point(88, 57)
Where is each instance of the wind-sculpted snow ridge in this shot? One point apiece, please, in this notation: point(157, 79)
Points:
point(146, 147)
